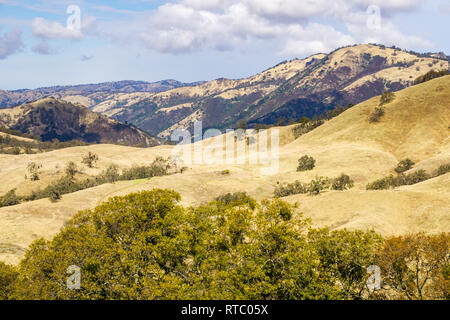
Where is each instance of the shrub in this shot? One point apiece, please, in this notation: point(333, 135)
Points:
point(9, 199)
point(443, 169)
point(377, 114)
point(431, 75)
point(236, 199)
point(306, 163)
point(109, 175)
point(8, 277)
point(381, 184)
point(33, 171)
point(400, 180)
point(386, 98)
point(342, 183)
point(404, 166)
point(90, 159)
point(71, 169)
point(159, 167)
point(305, 126)
point(289, 189)
point(318, 185)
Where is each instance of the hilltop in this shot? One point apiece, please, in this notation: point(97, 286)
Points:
point(290, 90)
point(415, 125)
point(88, 94)
point(51, 119)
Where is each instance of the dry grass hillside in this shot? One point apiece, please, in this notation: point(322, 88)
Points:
point(416, 125)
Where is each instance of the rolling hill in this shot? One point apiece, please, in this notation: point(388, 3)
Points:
point(51, 118)
point(415, 125)
point(289, 90)
point(88, 94)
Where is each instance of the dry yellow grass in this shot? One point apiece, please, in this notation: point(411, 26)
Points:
point(416, 125)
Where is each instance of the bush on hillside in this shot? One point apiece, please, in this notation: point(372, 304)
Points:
point(316, 186)
point(289, 189)
point(90, 159)
point(386, 98)
point(377, 114)
point(443, 169)
point(342, 183)
point(430, 75)
point(306, 163)
point(404, 166)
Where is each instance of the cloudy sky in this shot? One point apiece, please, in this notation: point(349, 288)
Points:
point(56, 42)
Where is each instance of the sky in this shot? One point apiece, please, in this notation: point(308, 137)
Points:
point(62, 42)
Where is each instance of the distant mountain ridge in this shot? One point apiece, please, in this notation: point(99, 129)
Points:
point(51, 119)
point(17, 97)
point(290, 90)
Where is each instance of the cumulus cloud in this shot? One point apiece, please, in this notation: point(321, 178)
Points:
point(190, 25)
point(50, 30)
point(10, 43)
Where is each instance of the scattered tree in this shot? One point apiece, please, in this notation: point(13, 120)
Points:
point(404, 166)
point(306, 163)
point(33, 171)
point(342, 183)
point(90, 159)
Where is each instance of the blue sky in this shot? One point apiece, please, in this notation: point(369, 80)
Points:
point(192, 40)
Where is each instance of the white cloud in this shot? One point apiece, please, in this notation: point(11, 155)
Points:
point(10, 43)
point(192, 25)
point(315, 38)
point(49, 30)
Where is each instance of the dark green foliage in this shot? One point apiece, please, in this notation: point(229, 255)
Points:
point(9, 199)
point(337, 111)
point(289, 189)
point(443, 169)
point(305, 126)
point(404, 166)
point(386, 98)
point(377, 114)
point(145, 246)
point(342, 183)
point(381, 184)
point(159, 167)
point(11, 145)
point(430, 75)
point(71, 169)
point(236, 199)
point(90, 159)
point(316, 186)
point(400, 180)
point(8, 278)
point(68, 184)
point(306, 163)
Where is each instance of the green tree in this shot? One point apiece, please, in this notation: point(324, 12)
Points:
point(71, 169)
point(90, 159)
point(8, 277)
point(343, 182)
point(404, 166)
point(33, 170)
point(306, 163)
point(317, 185)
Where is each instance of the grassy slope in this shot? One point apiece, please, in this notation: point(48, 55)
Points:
point(415, 126)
